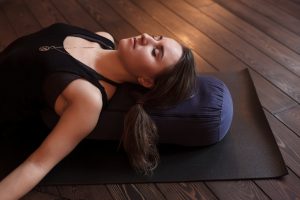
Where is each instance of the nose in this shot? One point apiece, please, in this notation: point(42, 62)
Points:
point(146, 39)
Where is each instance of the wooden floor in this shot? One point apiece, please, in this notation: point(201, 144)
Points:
point(226, 35)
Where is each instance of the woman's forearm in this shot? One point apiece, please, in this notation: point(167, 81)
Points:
point(21, 180)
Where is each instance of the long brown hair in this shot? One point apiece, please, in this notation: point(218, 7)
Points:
point(140, 133)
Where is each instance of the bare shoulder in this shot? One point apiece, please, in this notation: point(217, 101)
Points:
point(106, 35)
point(82, 91)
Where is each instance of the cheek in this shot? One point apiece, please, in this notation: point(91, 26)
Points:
point(137, 61)
point(145, 64)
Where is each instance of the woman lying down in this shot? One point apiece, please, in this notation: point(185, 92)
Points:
point(74, 73)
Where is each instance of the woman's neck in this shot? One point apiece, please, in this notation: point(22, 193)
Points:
point(109, 65)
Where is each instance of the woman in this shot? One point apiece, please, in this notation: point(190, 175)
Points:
point(72, 73)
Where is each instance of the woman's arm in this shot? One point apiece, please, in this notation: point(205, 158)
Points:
point(77, 121)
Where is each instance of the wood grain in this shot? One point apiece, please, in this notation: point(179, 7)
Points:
point(191, 36)
point(291, 118)
point(236, 190)
point(186, 191)
point(287, 187)
point(288, 6)
point(34, 195)
point(44, 12)
point(75, 15)
point(7, 34)
point(20, 18)
point(109, 19)
point(288, 143)
point(276, 14)
point(275, 50)
point(274, 100)
point(274, 30)
point(134, 192)
point(84, 192)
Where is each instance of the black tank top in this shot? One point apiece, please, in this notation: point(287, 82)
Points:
point(47, 73)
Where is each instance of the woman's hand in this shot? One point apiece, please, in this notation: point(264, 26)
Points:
point(84, 104)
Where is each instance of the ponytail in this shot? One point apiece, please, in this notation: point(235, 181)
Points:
point(140, 139)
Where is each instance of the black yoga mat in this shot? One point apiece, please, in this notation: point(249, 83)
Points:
point(248, 151)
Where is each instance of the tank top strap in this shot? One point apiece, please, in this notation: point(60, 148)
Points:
point(103, 78)
point(104, 43)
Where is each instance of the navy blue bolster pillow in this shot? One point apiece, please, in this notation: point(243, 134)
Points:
point(200, 120)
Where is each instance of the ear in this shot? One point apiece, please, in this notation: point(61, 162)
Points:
point(146, 82)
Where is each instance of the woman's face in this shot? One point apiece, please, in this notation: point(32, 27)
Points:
point(148, 56)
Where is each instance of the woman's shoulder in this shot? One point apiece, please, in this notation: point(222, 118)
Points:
point(81, 90)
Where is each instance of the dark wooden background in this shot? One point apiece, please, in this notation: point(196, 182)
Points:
point(226, 35)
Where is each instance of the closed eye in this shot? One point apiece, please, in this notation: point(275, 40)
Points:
point(157, 37)
point(155, 52)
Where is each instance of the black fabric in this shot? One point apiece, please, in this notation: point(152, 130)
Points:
point(31, 79)
point(248, 151)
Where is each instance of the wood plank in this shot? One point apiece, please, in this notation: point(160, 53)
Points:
point(118, 192)
point(44, 12)
point(52, 190)
point(275, 13)
point(296, 1)
point(20, 17)
point(289, 39)
point(90, 192)
point(260, 40)
point(109, 19)
point(7, 34)
point(147, 24)
point(236, 190)
point(76, 15)
point(77, 191)
point(34, 195)
point(288, 82)
point(271, 98)
point(150, 191)
point(287, 187)
point(137, 18)
point(185, 191)
point(289, 6)
point(288, 143)
point(291, 118)
point(204, 3)
point(132, 191)
point(183, 32)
